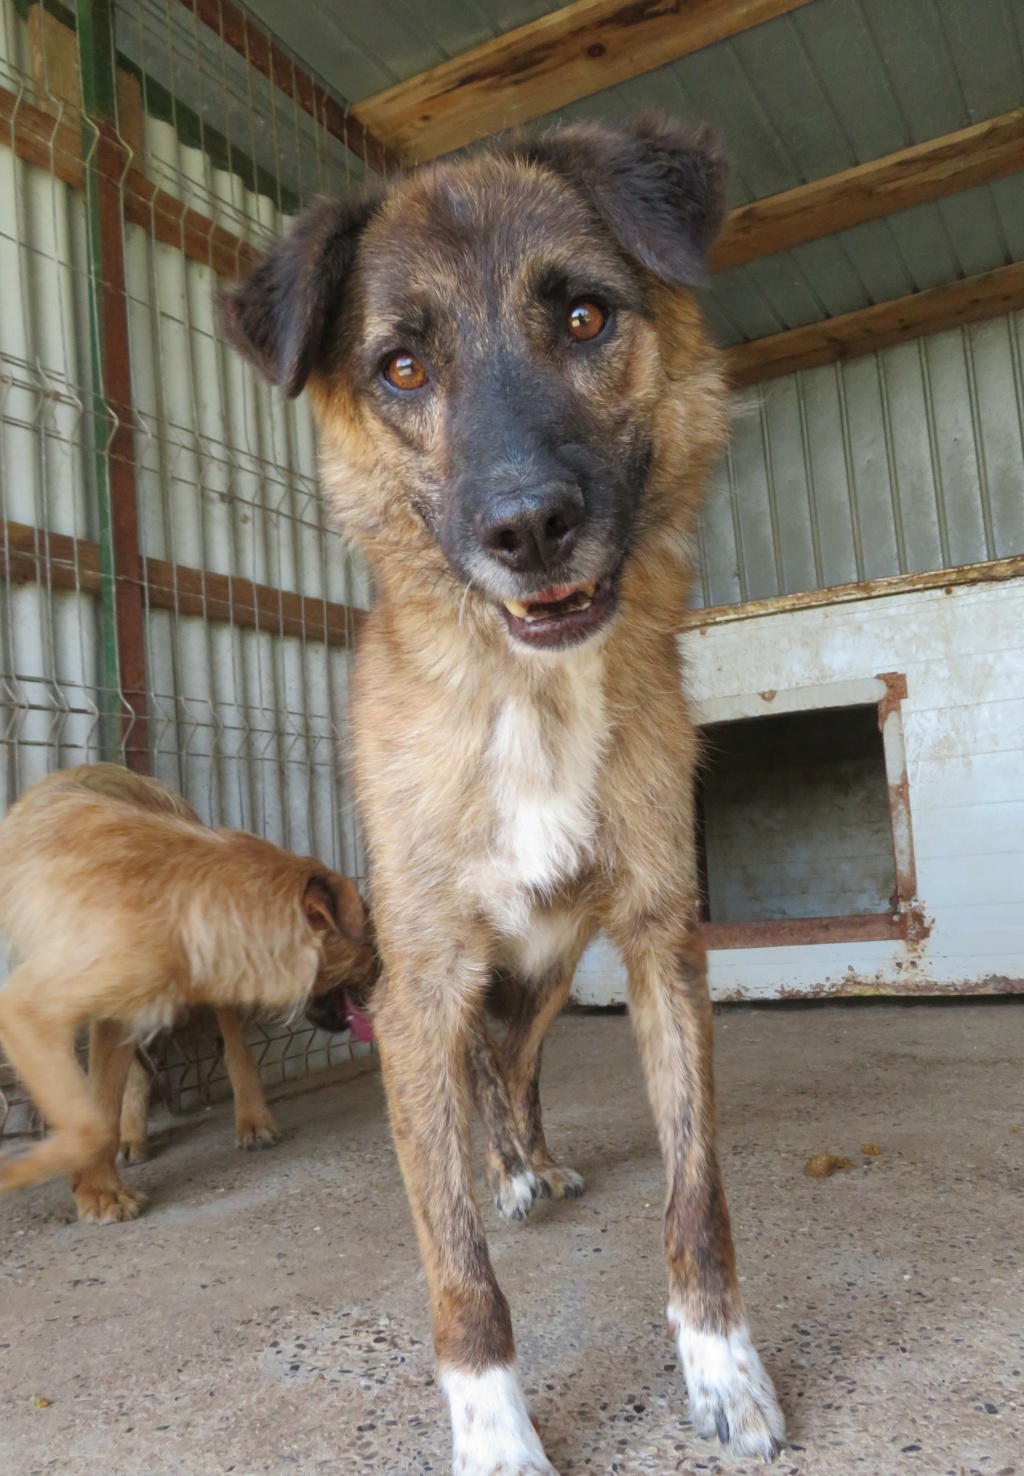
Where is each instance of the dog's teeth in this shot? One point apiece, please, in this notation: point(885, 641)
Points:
point(589, 587)
point(516, 608)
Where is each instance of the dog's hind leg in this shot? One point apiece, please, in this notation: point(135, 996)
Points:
point(730, 1393)
point(100, 1194)
point(427, 1009)
point(513, 1182)
point(39, 1042)
point(521, 1050)
point(135, 1113)
point(255, 1126)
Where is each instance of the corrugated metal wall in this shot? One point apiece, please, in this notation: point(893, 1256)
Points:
point(905, 460)
point(245, 722)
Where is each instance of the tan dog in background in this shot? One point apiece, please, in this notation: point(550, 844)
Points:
point(254, 1122)
point(123, 911)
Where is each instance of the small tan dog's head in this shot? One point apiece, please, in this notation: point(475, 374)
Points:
point(336, 913)
point(514, 392)
point(349, 963)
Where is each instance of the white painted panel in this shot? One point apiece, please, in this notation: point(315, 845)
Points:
point(963, 724)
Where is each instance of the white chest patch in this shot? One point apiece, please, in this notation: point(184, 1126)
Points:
point(543, 766)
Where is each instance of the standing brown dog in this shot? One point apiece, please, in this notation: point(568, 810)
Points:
point(123, 910)
point(518, 407)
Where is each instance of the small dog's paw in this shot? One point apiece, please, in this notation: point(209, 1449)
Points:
point(559, 1183)
point(492, 1433)
point(731, 1396)
point(256, 1132)
point(108, 1203)
point(133, 1150)
point(514, 1194)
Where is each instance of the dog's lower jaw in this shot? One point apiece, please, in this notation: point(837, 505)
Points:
point(731, 1396)
point(492, 1433)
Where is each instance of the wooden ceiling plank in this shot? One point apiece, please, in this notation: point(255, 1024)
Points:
point(972, 300)
point(554, 60)
point(929, 171)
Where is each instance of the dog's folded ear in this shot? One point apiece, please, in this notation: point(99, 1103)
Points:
point(281, 315)
point(658, 187)
point(332, 904)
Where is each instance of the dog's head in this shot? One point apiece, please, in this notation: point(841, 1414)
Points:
point(350, 963)
point(499, 351)
point(338, 919)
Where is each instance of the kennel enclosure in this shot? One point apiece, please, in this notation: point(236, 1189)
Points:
point(173, 597)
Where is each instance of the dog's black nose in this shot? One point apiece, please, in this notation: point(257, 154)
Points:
point(532, 530)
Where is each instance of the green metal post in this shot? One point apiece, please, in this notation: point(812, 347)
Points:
point(124, 714)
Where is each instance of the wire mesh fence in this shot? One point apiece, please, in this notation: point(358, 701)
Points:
point(171, 595)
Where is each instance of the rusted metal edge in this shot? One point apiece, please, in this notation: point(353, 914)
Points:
point(797, 932)
point(890, 725)
point(237, 30)
point(856, 986)
point(990, 571)
point(34, 556)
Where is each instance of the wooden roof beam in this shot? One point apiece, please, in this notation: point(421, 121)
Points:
point(928, 171)
point(554, 60)
point(989, 295)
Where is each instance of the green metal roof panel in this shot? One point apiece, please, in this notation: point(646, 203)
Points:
point(365, 46)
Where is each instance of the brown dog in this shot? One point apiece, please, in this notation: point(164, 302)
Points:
point(254, 1121)
point(518, 407)
point(123, 910)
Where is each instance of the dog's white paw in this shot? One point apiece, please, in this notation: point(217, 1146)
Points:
point(731, 1396)
point(492, 1433)
point(560, 1183)
point(515, 1194)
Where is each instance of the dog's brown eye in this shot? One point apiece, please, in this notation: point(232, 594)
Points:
point(405, 372)
point(586, 320)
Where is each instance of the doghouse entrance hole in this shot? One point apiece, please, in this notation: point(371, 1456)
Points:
point(794, 817)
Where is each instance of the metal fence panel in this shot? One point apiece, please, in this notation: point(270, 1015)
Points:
point(249, 598)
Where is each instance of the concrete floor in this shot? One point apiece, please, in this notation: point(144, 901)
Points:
point(268, 1313)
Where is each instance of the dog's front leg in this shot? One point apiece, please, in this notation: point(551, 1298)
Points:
point(730, 1393)
point(424, 1016)
point(513, 1183)
point(255, 1126)
point(522, 1052)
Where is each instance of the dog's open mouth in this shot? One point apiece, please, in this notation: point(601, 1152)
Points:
point(336, 1010)
point(562, 615)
